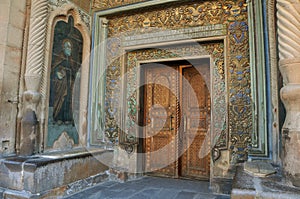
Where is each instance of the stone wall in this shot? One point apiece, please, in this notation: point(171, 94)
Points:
point(12, 25)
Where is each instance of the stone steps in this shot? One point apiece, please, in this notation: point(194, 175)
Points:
point(260, 181)
point(52, 173)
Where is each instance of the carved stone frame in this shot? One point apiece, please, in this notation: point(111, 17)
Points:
point(62, 14)
point(273, 59)
point(140, 104)
point(258, 74)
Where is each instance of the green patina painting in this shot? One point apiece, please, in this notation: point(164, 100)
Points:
point(64, 80)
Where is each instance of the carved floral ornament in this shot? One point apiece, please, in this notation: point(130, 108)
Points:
point(191, 14)
point(233, 14)
point(106, 4)
point(56, 4)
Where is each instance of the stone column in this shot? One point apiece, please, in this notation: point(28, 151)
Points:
point(288, 13)
point(33, 75)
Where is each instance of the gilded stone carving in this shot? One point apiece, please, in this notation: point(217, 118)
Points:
point(191, 14)
point(106, 4)
point(214, 49)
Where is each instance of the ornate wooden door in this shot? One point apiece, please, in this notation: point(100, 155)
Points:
point(172, 93)
point(195, 102)
point(160, 117)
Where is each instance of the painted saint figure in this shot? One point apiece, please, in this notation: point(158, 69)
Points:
point(66, 61)
point(62, 78)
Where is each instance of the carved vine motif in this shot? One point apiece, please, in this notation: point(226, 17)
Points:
point(106, 4)
point(214, 49)
point(188, 15)
point(191, 14)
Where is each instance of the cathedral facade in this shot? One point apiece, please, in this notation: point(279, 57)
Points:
point(94, 90)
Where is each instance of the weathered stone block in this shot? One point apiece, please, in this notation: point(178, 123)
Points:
point(10, 194)
point(3, 36)
point(13, 57)
point(17, 19)
point(243, 195)
point(4, 12)
point(28, 145)
point(51, 174)
point(11, 169)
point(19, 5)
point(291, 161)
point(15, 36)
point(2, 54)
point(259, 168)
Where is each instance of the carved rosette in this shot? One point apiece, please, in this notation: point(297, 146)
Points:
point(288, 14)
point(36, 46)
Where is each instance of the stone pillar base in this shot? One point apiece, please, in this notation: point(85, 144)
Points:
point(291, 160)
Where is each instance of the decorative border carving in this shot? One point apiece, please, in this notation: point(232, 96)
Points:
point(191, 14)
point(106, 4)
point(271, 6)
point(189, 52)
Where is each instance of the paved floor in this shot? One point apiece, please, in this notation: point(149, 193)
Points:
point(150, 188)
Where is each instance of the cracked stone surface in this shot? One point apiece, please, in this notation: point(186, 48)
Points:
point(259, 168)
point(150, 188)
point(247, 186)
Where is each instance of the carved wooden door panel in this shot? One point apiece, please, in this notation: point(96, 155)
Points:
point(167, 136)
point(195, 102)
point(160, 117)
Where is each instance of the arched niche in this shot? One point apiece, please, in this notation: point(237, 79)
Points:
point(68, 15)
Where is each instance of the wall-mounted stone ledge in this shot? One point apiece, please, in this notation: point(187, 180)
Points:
point(40, 174)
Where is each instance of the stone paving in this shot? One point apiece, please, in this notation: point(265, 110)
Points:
point(150, 188)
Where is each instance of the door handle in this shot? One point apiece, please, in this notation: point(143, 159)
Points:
point(171, 123)
point(184, 123)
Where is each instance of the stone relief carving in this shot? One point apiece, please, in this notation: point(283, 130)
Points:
point(231, 13)
point(106, 4)
point(64, 142)
point(57, 3)
point(85, 17)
